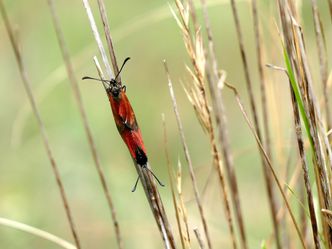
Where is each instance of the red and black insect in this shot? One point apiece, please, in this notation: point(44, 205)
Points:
point(126, 122)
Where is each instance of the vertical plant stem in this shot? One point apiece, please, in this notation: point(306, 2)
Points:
point(96, 35)
point(199, 238)
point(188, 158)
point(171, 176)
point(300, 144)
point(78, 97)
point(107, 29)
point(296, 49)
point(221, 120)
point(268, 162)
point(262, 81)
point(330, 7)
point(151, 192)
point(180, 194)
point(27, 86)
point(267, 174)
point(147, 181)
point(195, 49)
point(322, 60)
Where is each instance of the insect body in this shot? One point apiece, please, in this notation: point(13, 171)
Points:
point(125, 121)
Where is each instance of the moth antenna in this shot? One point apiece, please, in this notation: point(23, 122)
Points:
point(124, 62)
point(91, 78)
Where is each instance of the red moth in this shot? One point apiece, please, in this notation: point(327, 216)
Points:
point(126, 122)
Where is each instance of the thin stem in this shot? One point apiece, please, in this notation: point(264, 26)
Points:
point(199, 238)
point(188, 157)
point(322, 59)
point(27, 86)
point(300, 144)
point(221, 120)
point(268, 161)
point(108, 36)
point(98, 39)
point(267, 176)
point(37, 232)
point(151, 192)
point(171, 176)
point(78, 97)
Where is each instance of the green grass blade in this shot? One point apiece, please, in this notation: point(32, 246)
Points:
point(298, 98)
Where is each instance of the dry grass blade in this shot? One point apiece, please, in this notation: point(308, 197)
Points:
point(78, 97)
point(221, 120)
point(268, 161)
point(183, 207)
point(188, 158)
point(262, 81)
point(267, 176)
point(177, 207)
point(111, 51)
point(300, 144)
point(328, 214)
point(97, 38)
point(148, 182)
point(37, 232)
point(322, 59)
point(296, 61)
point(42, 128)
point(198, 97)
point(151, 192)
point(199, 238)
point(330, 7)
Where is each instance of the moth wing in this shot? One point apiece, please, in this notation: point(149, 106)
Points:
point(126, 113)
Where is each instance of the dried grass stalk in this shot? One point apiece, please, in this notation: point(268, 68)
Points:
point(300, 144)
point(37, 232)
point(145, 177)
point(267, 174)
point(151, 191)
point(78, 97)
point(268, 162)
point(295, 57)
point(199, 238)
point(177, 206)
point(216, 78)
point(188, 158)
point(27, 87)
point(180, 194)
point(198, 98)
point(322, 55)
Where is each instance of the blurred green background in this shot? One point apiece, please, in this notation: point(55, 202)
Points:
point(145, 31)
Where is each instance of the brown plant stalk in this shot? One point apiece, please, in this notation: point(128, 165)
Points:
point(49, 152)
point(323, 66)
point(221, 121)
point(188, 157)
point(268, 161)
point(300, 144)
point(199, 238)
point(78, 97)
point(198, 98)
point(267, 174)
point(177, 207)
point(295, 48)
point(145, 177)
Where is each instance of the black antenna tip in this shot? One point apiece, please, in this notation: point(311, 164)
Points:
point(85, 78)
